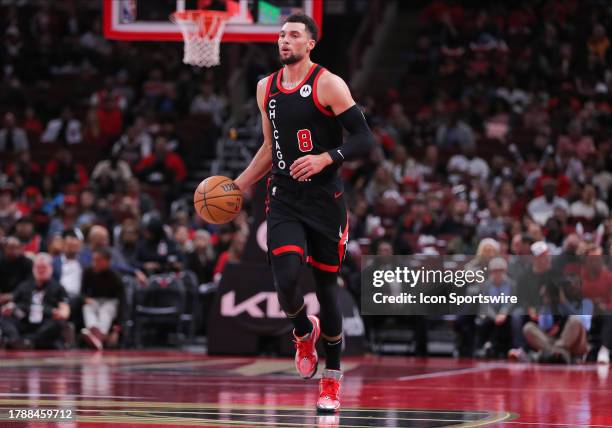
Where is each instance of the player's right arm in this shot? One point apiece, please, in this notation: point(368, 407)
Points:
point(262, 161)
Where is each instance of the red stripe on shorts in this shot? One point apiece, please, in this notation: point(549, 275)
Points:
point(322, 266)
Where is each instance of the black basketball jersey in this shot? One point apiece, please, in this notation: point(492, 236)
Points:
point(301, 126)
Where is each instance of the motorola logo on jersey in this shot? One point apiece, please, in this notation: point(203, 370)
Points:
point(272, 115)
point(305, 90)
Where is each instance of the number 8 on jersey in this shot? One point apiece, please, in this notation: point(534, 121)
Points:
point(304, 140)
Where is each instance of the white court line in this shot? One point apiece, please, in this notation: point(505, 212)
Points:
point(553, 368)
point(445, 373)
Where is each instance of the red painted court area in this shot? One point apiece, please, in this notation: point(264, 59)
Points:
point(158, 389)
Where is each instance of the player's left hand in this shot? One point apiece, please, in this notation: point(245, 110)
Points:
point(307, 166)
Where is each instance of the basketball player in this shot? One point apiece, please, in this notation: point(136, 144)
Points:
point(304, 108)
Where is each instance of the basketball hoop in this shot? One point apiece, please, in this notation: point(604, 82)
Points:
point(202, 31)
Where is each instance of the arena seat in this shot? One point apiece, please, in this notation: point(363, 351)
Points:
point(162, 302)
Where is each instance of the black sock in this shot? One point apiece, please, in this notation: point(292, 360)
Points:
point(300, 321)
point(332, 354)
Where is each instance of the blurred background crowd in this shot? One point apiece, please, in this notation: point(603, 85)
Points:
point(494, 140)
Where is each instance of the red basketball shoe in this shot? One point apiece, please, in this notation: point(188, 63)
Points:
point(306, 358)
point(329, 391)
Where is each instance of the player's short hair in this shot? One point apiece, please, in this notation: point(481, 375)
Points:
point(311, 25)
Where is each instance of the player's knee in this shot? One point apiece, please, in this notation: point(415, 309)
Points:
point(287, 267)
point(286, 270)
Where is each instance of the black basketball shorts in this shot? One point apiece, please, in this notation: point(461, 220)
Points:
point(311, 222)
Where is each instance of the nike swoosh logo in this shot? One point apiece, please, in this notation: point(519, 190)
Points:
point(275, 93)
point(337, 194)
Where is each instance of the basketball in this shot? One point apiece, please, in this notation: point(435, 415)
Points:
point(217, 199)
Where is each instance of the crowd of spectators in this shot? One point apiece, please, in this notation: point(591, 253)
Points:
point(499, 130)
point(92, 166)
point(498, 133)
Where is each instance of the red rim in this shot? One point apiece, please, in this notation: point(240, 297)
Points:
point(195, 15)
point(208, 22)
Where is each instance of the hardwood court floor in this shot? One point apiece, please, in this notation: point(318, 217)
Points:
point(161, 389)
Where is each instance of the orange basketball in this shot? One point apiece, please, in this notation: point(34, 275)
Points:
point(217, 199)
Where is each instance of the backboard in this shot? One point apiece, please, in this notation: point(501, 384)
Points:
point(251, 21)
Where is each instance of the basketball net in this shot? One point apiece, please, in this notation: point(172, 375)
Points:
point(202, 31)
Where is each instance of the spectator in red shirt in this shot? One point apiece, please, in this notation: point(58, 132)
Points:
point(63, 171)
point(91, 132)
point(162, 166)
point(597, 279)
point(31, 201)
point(233, 254)
point(550, 171)
point(32, 124)
point(418, 220)
point(161, 171)
point(521, 19)
point(109, 107)
point(24, 231)
point(443, 11)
